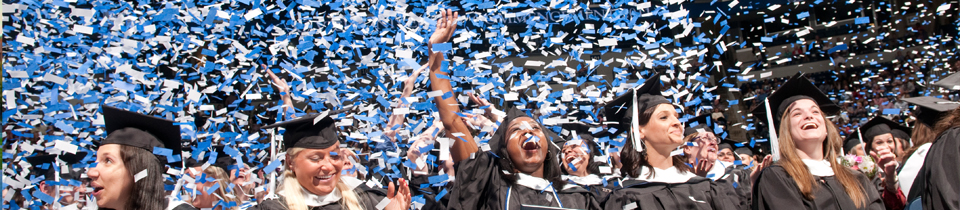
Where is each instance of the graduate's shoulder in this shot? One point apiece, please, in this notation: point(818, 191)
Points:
point(269, 204)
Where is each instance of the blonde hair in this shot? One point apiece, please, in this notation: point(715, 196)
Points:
point(223, 179)
point(801, 175)
point(294, 197)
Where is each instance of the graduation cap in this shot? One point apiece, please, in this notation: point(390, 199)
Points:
point(626, 108)
point(929, 110)
point(743, 151)
point(141, 131)
point(877, 126)
point(951, 82)
point(851, 141)
point(702, 123)
point(316, 131)
point(224, 160)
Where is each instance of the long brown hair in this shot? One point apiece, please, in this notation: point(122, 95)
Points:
point(922, 134)
point(801, 175)
point(221, 176)
point(952, 119)
point(633, 160)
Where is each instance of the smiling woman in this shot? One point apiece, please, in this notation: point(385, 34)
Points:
point(807, 175)
point(127, 175)
point(654, 177)
point(312, 173)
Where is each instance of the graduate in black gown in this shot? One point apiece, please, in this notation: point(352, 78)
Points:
point(654, 178)
point(807, 174)
point(519, 169)
point(879, 141)
point(936, 185)
point(579, 159)
point(928, 111)
point(313, 176)
point(127, 174)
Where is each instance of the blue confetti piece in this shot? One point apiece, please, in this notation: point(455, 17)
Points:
point(861, 20)
point(271, 167)
point(441, 194)
point(43, 197)
point(162, 151)
point(442, 47)
point(891, 111)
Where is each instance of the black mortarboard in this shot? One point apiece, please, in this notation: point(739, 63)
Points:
point(851, 141)
point(224, 160)
point(620, 109)
point(743, 151)
point(951, 82)
point(929, 110)
point(796, 88)
point(878, 126)
point(702, 123)
point(901, 133)
point(142, 131)
point(308, 132)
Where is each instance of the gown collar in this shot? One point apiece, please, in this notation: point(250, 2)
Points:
point(670, 175)
point(591, 179)
point(320, 200)
point(535, 183)
point(819, 167)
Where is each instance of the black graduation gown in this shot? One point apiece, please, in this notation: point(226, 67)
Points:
point(598, 191)
point(480, 186)
point(775, 189)
point(429, 193)
point(369, 198)
point(739, 179)
point(938, 182)
point(657, 195)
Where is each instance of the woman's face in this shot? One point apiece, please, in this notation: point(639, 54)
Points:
point(806, 123)
point(726, 155)
point(705, 148)
point(885, 141)
point(526, 145)
point(577, 155)
point(203, 199)
point(664, 128)
point(318, 170)
point(241, 176)
point(110, 179)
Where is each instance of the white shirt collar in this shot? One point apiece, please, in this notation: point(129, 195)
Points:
point(591, 179)
point(670, 175)
point(535, 183)
point(719, 168)
point(320, 200)
point(819, 167)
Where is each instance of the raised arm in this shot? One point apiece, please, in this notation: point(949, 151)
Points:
point(455, 129)
point(284, 90)
point(397, 119)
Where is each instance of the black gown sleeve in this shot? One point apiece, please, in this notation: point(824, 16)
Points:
point(723, 196)
point(271, 204)
point(474, 177)
point(941, 176)
point(774, 189)
point(874, 201)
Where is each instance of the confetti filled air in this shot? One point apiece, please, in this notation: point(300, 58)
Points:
point(480, 104)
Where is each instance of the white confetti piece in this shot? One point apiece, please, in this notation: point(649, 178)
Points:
point(140, 175)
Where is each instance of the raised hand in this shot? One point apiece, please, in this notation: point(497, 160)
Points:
point(886, 159)
point(446, 25)
point(702, 168)
point(489, 110)
point(477, 121)
point(399, 200)
point(767, 161)
point(282, 87)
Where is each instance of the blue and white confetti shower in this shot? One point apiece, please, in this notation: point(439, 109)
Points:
point(199, 63)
